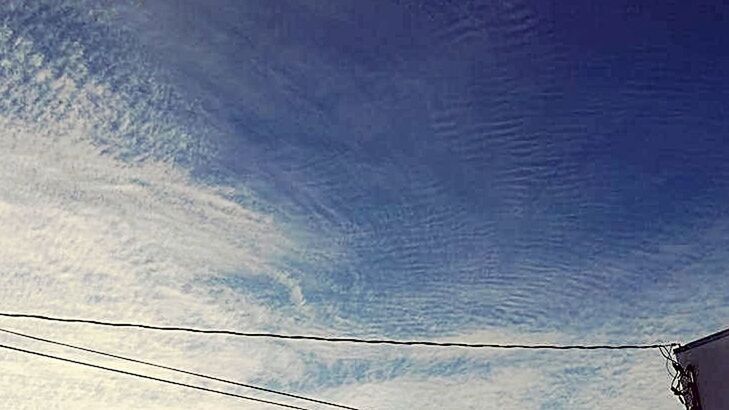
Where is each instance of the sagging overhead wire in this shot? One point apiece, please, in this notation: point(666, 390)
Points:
point(328, 339)
point(157, 379)
point(182, 371)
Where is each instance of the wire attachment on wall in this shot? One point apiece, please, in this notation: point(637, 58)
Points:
point(683, 380)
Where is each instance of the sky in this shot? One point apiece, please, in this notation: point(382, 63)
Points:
point(497, 172)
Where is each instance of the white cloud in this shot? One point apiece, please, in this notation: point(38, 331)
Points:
point(99, 219)
point(505, 389)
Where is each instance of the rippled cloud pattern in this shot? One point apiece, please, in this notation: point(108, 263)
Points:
point(498, 172)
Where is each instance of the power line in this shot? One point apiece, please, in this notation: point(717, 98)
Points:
point(344, 339)
point(157, 379)
point(295, 396)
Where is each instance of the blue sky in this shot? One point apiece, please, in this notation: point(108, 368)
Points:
point(489, 171)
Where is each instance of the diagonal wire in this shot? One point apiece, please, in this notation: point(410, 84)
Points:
point(129, 359)
point(142, 376)
point(342, 339)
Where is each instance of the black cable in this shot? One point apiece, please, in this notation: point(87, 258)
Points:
point(678, 374)
point(109, 369)
point(342, 339)
point(295, 396)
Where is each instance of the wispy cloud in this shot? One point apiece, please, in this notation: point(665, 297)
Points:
point(104, 215)
point(99, 220)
